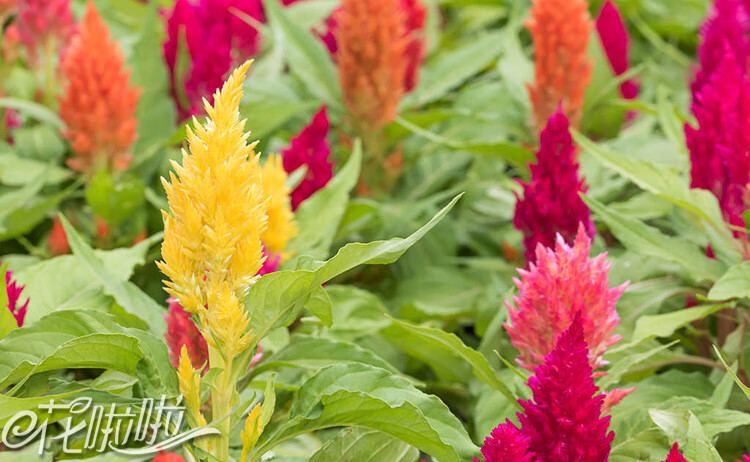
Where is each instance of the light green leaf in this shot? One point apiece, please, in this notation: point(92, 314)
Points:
point(34, 110)
point(734, 284)
point(664, 325)
point(358, 444)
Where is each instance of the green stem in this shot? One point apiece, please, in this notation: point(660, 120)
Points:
point(50, 80)
point(221, 402)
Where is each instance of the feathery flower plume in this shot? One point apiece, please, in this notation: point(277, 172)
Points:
point(183, 333)
point(561, 283)
point(675, 455)
point(560, 30)
point(13, 291)
point(45, 26)
point(720, 145)
point(563, 421)
point(311, 149)
point(616, 43)
point(551, 204)
point(371, 61)
point(190, 385)
point(98, 103)
point(281, 225)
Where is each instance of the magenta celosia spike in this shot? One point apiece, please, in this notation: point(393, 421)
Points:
point(270, 264)
point(562, 423)
point(506, 443)
point(616, 43)
point(182, 331)
point(720, 145)
point(13, 291)
point(44, 23)
point(311, 149)
point(563, 282)
point(674, 455)
point(725, 26)
point(551, 204)
point(746, 458)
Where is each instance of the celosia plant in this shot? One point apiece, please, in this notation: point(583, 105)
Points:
point(562, 283)
point(310, 148)
point(98, 103)
point(560, 30)
point(45, 26)
point(563, 422)
point(14, 292)
point(674, 455)
point(616, 43)
point(551, 204)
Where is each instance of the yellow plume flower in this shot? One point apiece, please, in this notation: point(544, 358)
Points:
point(212, 236)
point(228, 323)
point(281, 224)
point(190, 386)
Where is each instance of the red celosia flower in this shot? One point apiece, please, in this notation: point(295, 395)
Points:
point(45, 25)
point(551, 204)
point(616, 43)
point(506, 443)
point(746, 458)
point(311, 149)
point(674, 455)
point(371, 61)
point(563, 422)
point(560, 284)
point(98, 103)
point(720, 146)
point(13, 290)
point(57, 242)
point(182, 331)
point(560, 29)
point(169, 457)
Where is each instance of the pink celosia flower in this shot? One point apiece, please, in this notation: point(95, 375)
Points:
point(551, 204)
point(720, 146)
point(311, 149)
point(168, 457)
point(616, 43)
point(44, 25)
point(746, 458)
point(674, 455)
point(561, 283)
point(563, 422)
point(13, 291)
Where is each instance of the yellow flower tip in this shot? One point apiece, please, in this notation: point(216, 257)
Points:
point(252, 431)
point(190, 385)
point(281, 225)
point(228, 322)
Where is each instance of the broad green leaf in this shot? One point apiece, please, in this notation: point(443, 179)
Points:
point(266, 116)
point(86, 339)
point(277, 298)
point(364, 396)
point(319, 216)
point(359, 444)
point(684, 427)
point(40, 142)
point(10, 406)
point(445, 353)
point(19, 171)
point(734, 284)
point(308, 59)
point(646, 240)
point(34, 110)
point(127, 294)
point(115, 199)
point(664, 325)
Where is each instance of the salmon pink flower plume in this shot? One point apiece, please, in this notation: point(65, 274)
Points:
point(563, 420)
point(560, 30)
point(45, 26)
point(57, 242)
point(674, 455)
point(98, 103)
point(616, 43)
point(551, 204)
point(371, 61)
point(13, 291)
point(169, 457)
point(720, 145)
point(311, 149)
point(563, 282)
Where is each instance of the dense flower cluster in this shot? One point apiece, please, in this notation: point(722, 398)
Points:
point(551, 204)
point(14, 292)
point(563, 422)
point(45, 26)
point(98, 103)
point(560, 29)
point(674, 455)
point(311, 149)
point(563, 282)
point(616, 43)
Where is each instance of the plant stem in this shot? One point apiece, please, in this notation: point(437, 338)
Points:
point(221, 402)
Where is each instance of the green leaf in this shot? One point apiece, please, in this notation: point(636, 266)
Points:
point(684, 427)
point(127, 294)
point(115, 199)
point(40, 142)
point(745, 389)
point(664, 325)
point(86, 339)
point(277, 298)
point(358, 444)
point(445, 353)
point(365, 396)
point(319, 216)
point(308, 59)
point(263, 117)
point(646, 240)
point(734, 284)
point(19, 171)
point(34, 110)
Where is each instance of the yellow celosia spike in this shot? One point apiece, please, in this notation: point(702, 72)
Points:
point(190, 386)
point(228, 322)
point(252, 431)
point(281, 224)
point(212, 234)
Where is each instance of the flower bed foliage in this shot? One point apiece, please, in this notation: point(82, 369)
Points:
point(392, 230)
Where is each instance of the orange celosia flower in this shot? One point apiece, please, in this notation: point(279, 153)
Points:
point(372, 63)
point(98, 103)
point(560, 29)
